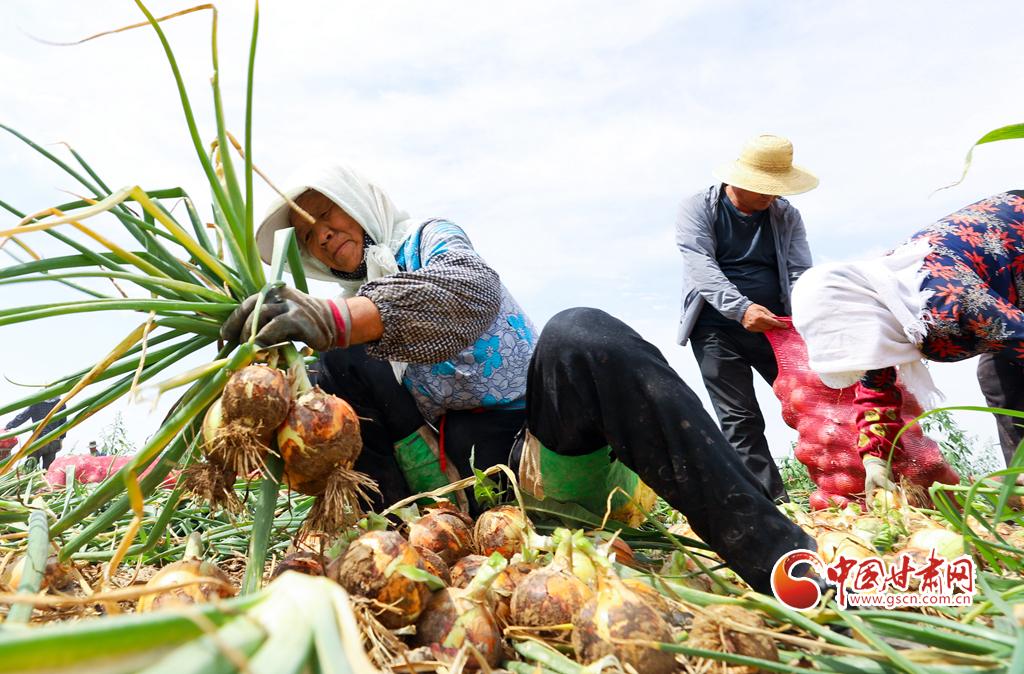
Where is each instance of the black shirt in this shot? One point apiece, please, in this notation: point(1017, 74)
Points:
point(745, 252)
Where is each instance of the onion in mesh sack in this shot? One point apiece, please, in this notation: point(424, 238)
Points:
point(456, 616)
point(369, 568)
point(443, 530)
point(502, 529)
point(617, 621)
point(551, 595)
point(320, 442)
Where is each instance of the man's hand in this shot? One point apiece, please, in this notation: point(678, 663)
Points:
point(876, 475)
point(290, 315)
point(758, 319)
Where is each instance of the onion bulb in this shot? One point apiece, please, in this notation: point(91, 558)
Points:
point(505, 585)
point(457, 616)
point(503, 529)
point(302, 561)
point(613, 621)
point(550, 595)
point(369, 569)
point(445, 531)
point(319, 443)
point(190, 568)
point(432, 563)
point(240, 425)
point(465, 569)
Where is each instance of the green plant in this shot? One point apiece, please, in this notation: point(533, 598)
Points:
point(965, 453)
point(114, 438)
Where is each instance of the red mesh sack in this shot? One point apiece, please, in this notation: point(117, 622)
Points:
point(8, 443)
point(825, 419)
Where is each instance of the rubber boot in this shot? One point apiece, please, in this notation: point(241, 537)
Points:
point(418, 455)
point(586, 480)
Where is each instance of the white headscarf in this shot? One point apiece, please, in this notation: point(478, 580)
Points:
point(368, 204)
point(868, 315)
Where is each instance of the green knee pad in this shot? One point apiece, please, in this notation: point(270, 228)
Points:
point(419, 464)
point(588, 479)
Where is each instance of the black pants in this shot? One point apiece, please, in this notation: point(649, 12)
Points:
point(389, 413)
point(593, 381)
point(726, 356)
point(1002, 383)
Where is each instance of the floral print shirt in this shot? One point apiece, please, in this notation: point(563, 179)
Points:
point(446, 313)
point(975, 273)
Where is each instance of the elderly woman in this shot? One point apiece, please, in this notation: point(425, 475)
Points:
point(953, 291)
point(601, 405)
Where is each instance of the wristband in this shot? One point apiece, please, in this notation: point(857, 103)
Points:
point(342, 321)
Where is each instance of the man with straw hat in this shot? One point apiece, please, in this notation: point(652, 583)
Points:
point(743, 247)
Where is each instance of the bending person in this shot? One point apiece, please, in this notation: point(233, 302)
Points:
point(951, 292)
point(594, 397)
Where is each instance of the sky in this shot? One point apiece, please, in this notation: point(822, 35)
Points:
point(561, 136)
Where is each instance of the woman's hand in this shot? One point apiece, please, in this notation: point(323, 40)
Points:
point(290, 315)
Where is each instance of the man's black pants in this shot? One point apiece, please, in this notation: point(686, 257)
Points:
point(1002, 383)
point(593, 381)
point(726, 356)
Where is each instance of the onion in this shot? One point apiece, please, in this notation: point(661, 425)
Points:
point(613, 621)
point(712, 631)
point(190, 568)
point(302, 561)
point(457, 616)
point(445, 531)
point(503, 529)
point(369, 569)
point(433, 563)
point(240, 425)
point(505, 585)
point(551, 595)
point(672, 612)
point(832, 544)
point(319, 443)
point(945, 543)
point(465, 569)
point(56, 575)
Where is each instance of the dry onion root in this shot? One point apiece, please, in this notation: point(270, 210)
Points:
point(320, 442)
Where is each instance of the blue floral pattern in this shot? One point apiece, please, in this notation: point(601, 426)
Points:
point(491, 372)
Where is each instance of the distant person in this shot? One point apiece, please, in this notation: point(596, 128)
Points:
point(94, 450)
point(38, 412)
point(743, 248)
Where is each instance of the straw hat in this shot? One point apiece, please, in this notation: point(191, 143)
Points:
point(766, 166)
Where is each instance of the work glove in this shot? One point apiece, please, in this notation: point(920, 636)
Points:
point(876, 475)
point(291, 315)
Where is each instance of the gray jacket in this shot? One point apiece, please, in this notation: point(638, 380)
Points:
point(704, 282)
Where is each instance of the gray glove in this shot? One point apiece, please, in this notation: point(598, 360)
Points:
point(876, 475)
point(290, 315)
